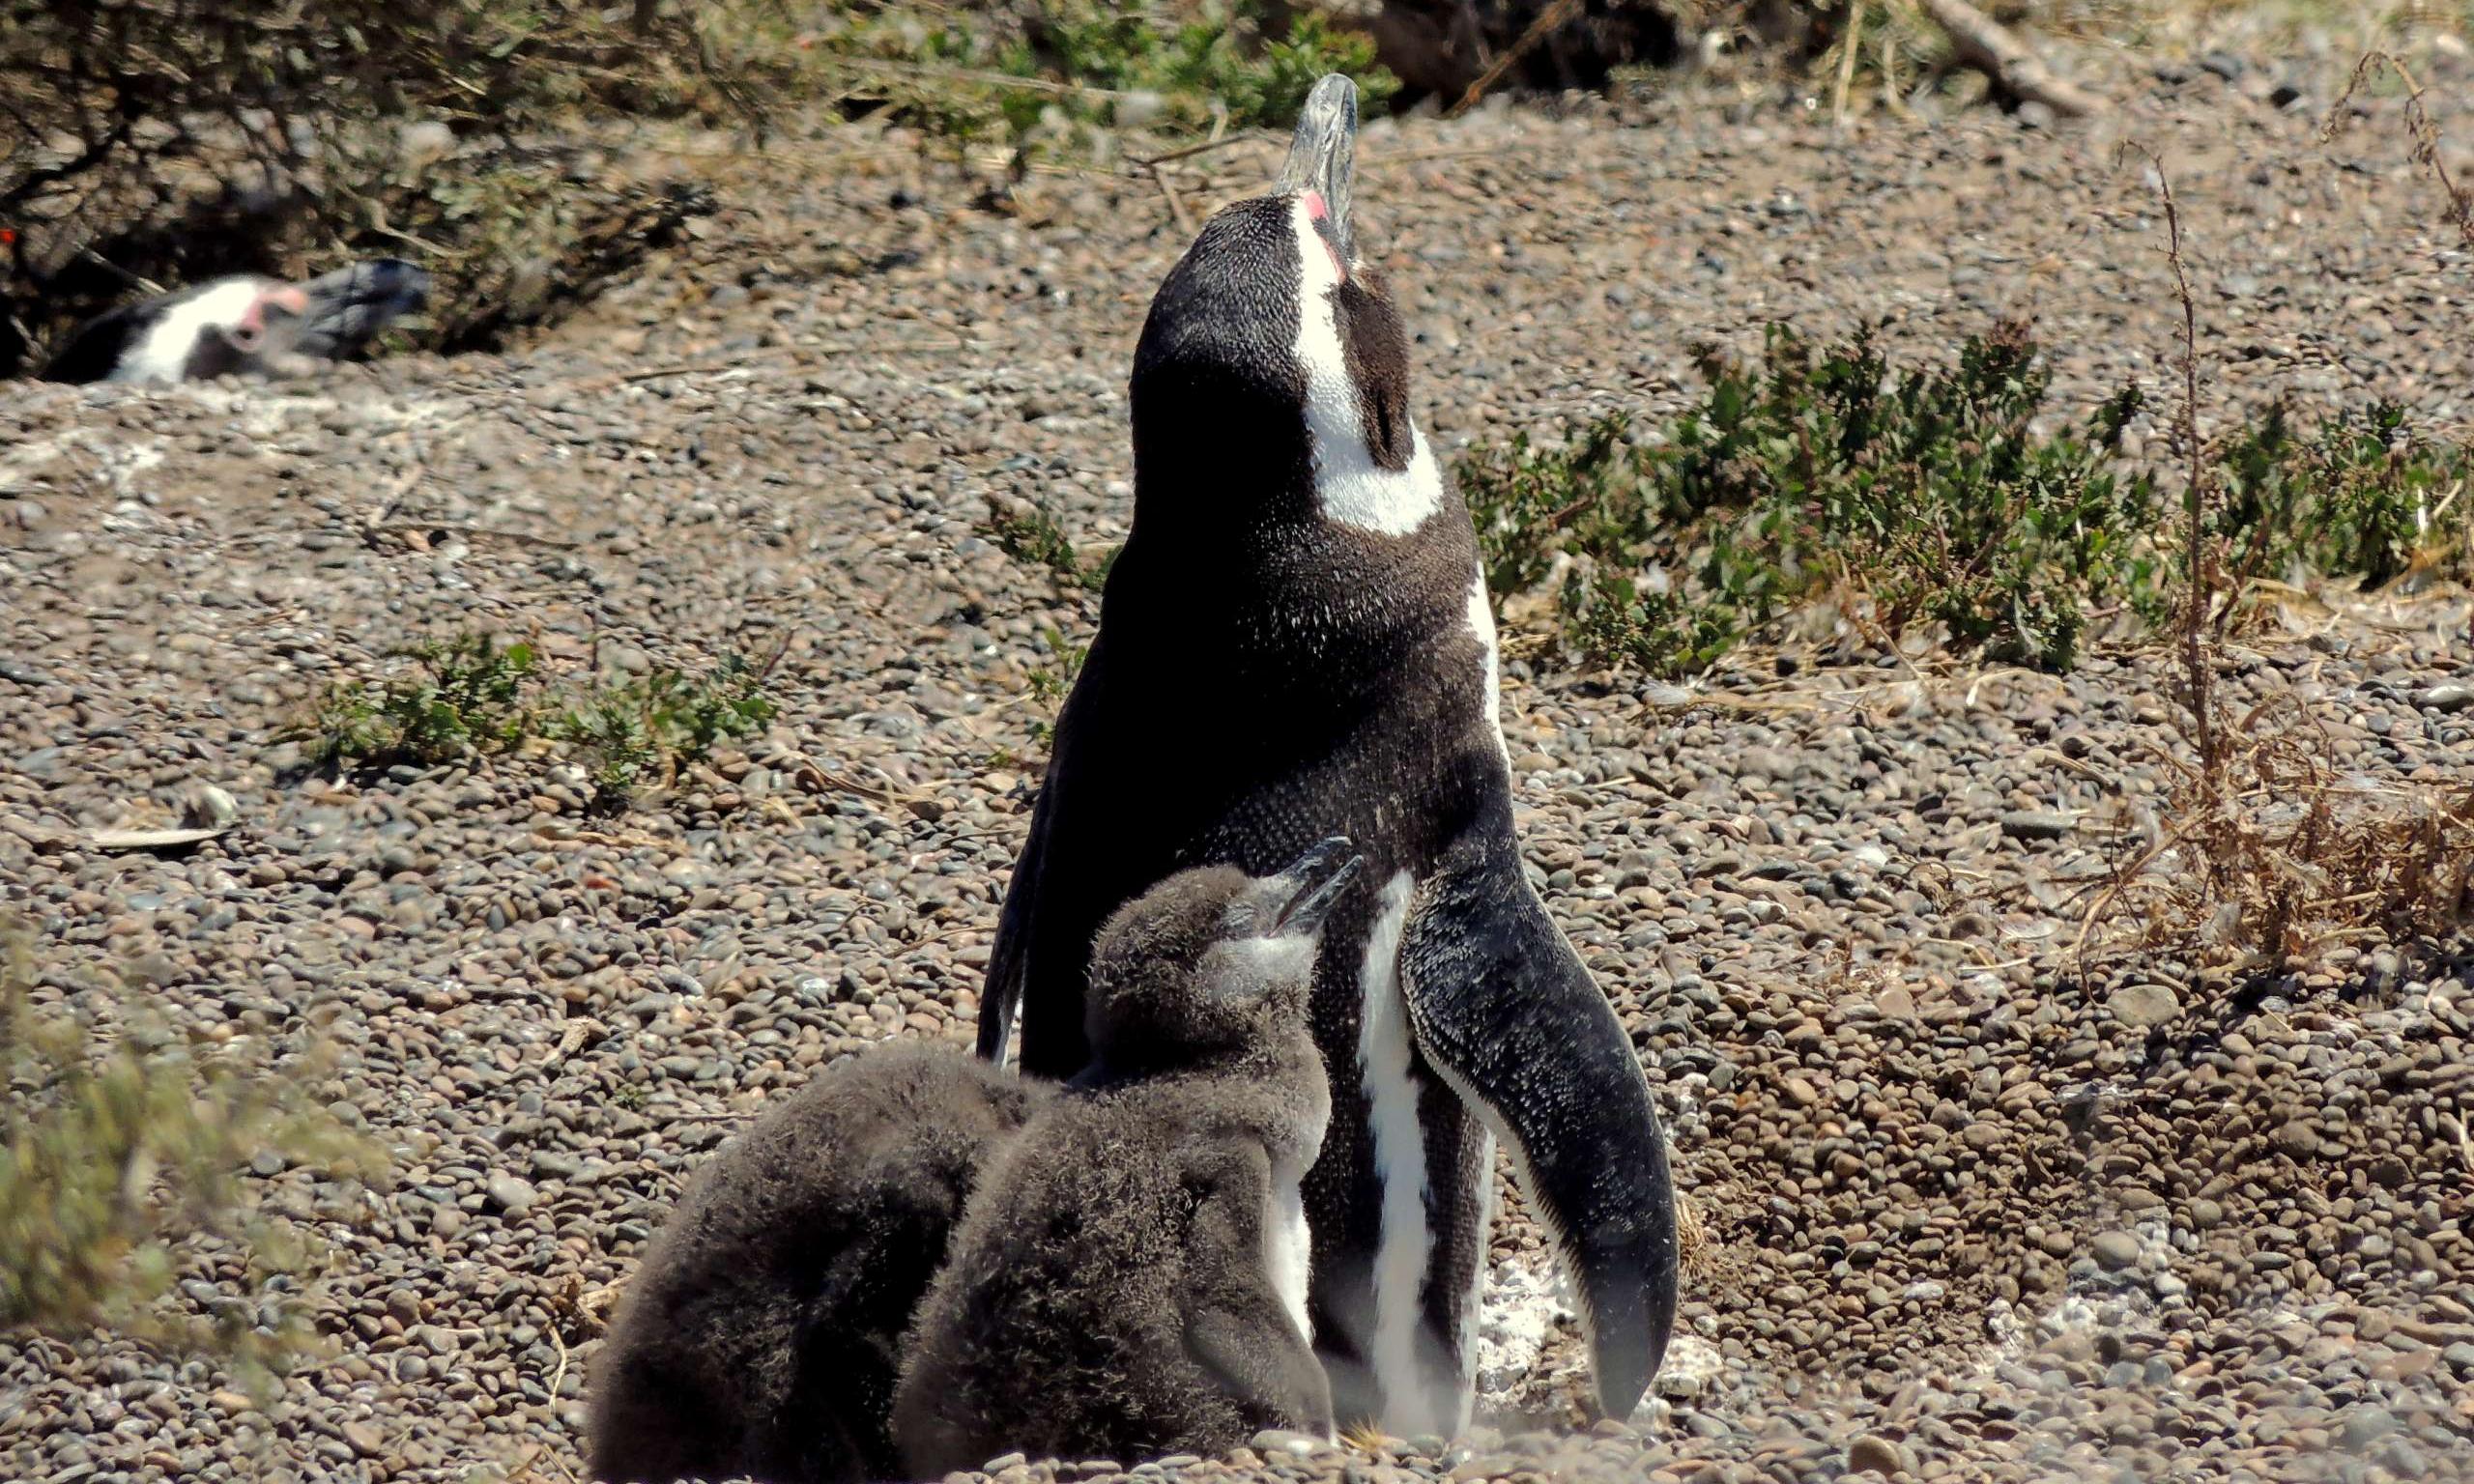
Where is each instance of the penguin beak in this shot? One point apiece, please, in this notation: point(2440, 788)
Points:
point(1309, 887)
point(1322, 157)
point(350, 305)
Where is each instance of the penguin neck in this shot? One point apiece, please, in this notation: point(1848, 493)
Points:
point(1277, 1058)
point(1285, 581)
point(1271, 1089)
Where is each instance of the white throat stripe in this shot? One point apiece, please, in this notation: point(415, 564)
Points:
point(1349, 485)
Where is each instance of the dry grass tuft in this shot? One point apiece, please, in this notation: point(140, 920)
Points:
point(124, 1201)
point(2277, 852)
point(1694, 1253)
point(2285, 853)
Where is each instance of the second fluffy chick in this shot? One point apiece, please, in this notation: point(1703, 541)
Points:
point(1130, 1278)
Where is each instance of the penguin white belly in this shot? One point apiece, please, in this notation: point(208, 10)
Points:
point(1290, 1254)
point(1406, 1244)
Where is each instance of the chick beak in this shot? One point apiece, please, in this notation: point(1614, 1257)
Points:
point(1312, 885)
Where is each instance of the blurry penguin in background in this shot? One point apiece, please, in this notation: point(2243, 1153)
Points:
point(244, 324)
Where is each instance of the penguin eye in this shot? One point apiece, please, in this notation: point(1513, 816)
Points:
point(245, 336)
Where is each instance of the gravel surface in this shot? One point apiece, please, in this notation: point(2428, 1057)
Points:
point(1967, 1212)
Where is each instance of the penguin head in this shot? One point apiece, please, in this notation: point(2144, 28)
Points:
point(1270, 385)
point(229, 324)
point(244, 324)
point(1211, 959)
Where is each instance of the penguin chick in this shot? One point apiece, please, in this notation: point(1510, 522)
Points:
point(761, 1335)
point(1129, 1281)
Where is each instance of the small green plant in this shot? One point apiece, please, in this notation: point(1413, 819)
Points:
point(474, 695)
point(1930, 495)
point(1030, 535)
point(1522, 499)
point(660, 721)
point(2364, 496)
point(117, 1151)
point(1655, 630)
point(463, 696)
point(1049, 687)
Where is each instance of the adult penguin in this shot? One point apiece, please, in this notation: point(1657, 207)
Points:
point(1295, 644)
point(242, 325)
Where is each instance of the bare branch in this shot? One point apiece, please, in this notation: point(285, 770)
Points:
point(1988, 46)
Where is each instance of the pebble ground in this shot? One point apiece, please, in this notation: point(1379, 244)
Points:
point(1973, 1206)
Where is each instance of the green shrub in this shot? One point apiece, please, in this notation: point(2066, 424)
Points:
point(1072, 64)
point(2365, 496)
point(1927, 492)
point(659, 721)
point(1214, 56)
point(121, 1151)
point(1924, 491)
point(1031, 535)
point(466, 695)
point(475, 695)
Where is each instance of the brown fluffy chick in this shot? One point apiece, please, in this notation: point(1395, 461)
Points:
point(762, 1334)
point(1130, 1280)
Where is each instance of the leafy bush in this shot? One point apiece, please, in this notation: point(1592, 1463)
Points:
point(465, 696)
point(2365, 496)
point(475, 695)
point(1926, 492)
point(1075, 63)
point(120, 1151)
point(1029, 534)
point(1211, 56)
point(660, 720)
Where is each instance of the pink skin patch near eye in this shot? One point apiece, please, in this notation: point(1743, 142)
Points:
point(289, 300)
point(252, 325)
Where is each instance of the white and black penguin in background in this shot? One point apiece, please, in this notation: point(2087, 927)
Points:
point(1296, 643)
point(244, 324)
point(1130, 1279)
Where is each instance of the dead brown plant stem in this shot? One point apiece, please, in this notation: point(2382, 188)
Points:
point(2458, 201)
point(1558, 14)
point(2198, 663)
point(1847, 48)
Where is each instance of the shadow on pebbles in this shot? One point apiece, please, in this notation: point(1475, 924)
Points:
point(1969, 1206)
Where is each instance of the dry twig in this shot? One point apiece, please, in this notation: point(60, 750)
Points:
point(1988, 46)
point(2460, 206)
point(1558, 14)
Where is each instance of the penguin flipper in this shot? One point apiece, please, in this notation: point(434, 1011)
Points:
point(1506, 1012)
point(1008, 960)
point(1236, 1329)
